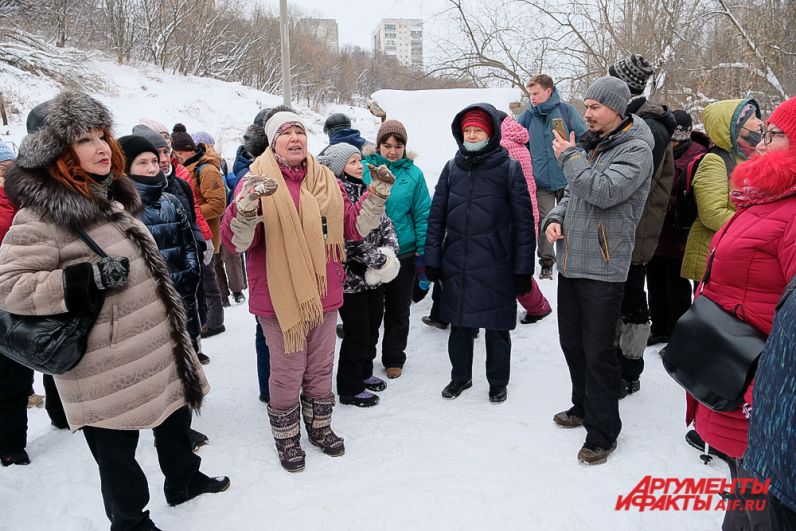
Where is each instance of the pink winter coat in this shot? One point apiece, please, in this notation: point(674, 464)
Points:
point(259, 296)
point(514, 138)
point(755, 258)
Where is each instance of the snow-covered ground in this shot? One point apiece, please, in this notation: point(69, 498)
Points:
point(415, 461)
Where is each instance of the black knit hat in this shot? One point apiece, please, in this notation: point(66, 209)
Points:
point(132, 146)
point(633, 70)
point(684, 126)
point(181, 140)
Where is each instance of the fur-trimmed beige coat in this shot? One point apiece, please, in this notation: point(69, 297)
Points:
point(139, 365)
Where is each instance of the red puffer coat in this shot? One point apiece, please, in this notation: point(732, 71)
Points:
point(7, 213)
point(754, 260)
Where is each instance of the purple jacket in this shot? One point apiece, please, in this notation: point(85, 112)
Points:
point(259, 295)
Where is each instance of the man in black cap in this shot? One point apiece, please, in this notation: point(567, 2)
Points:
point(338, 128)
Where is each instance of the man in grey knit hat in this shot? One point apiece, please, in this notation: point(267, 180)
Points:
point(608, 177)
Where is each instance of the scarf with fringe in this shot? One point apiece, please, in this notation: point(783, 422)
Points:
point(298, 249)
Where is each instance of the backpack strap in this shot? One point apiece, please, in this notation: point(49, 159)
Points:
point(88, 240)
point(197, 172)
point(726, 156)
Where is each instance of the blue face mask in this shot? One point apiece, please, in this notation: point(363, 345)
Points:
point(476, 146)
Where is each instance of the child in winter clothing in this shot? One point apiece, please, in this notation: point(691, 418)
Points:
point(369, 263)
point(482, 209)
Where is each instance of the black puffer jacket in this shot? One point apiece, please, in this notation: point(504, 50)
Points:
point(170, 226)
point(481, 232)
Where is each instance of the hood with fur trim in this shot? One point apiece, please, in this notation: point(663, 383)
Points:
point(69, 115)
point(54, 203)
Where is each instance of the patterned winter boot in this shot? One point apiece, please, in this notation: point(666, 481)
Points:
point(287, 432)
point(318, 419)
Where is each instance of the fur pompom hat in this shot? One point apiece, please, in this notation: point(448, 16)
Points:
point(58, 123)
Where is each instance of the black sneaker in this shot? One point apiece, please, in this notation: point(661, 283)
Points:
point(529, 319)
point(628, 388)
point(497, 394)
point(204, 485)
point(198, 439)
point(210, 332)
point(454, 389)
point(427, 320)
point(238, 297)
point(203, 358)
point(363, 399)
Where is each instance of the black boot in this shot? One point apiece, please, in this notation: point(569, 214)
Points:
point(287, 434)
point(318, 421)
point(454, 389)
point(497, 393)
point(18, 457)
point(200, 484)
point(198, 439)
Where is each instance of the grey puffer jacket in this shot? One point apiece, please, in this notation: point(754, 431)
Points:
point(365, 253)
point(605, 195)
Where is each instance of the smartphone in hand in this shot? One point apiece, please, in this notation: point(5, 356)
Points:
point(558, 125)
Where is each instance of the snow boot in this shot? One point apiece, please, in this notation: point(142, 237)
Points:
point(198, 439)
point(497, 394)
point(427, 320)
point(18, 457)
point(35, 400)
point(595, 455)
point(629, 387)
point(375, 384)
point(363, 399)
point(317, 414)
point(693, 438)
point(200, 484)
point(568, 419)
point(287, 433)
point(547, 270)
point(239, 297)
point(394, 372)
point(530, 319)
point(454, 389)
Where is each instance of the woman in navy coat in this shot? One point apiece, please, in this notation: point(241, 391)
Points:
point(480, 244)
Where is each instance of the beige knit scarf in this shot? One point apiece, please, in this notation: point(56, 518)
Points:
point(297, 253)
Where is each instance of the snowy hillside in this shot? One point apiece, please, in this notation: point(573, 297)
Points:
point(415, 461)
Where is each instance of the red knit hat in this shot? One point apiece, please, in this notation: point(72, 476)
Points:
point(478, 118)
point(784, 117)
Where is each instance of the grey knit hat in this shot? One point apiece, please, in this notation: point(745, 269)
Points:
point(633, 70)
point(336, 157)
point(611, 92)
point(154, 138)
point(57, 124)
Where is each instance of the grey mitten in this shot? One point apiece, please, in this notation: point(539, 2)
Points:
point(111, 272)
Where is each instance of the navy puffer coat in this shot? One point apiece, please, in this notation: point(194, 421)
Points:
point(481, 232)
point(170, 226)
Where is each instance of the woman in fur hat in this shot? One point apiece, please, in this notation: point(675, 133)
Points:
point(293, 218)
point(139, 370)
point(370, 263)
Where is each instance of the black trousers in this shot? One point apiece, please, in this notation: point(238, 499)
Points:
point(635, 311)
point(124, 485)
point(588, 312)
point(780, 516)
point(742, 520)
point(669, 294)
point(15, 384)
point(436, 298)
point(498, 355)
point(361, 314)
point(53, 404)
point(397, 300)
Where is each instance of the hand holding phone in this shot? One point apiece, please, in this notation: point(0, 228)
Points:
point(558, 125)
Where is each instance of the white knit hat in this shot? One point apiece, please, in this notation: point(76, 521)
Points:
point(276, 124)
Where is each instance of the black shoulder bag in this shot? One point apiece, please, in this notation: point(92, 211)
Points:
point(711, 353)
point(51, 344)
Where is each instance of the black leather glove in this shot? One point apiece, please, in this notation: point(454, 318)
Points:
point(111, 272)
point(522, 284)
point(434, 274)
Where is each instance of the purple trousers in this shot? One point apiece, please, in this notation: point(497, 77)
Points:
point(307, 372)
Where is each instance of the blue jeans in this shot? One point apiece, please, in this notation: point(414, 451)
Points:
point(263, 362)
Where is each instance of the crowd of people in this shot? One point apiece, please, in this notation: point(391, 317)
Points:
point(627, 198)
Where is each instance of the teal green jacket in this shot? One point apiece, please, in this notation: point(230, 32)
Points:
point(408, 204)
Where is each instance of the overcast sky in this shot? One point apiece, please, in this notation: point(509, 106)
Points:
point(356, 19)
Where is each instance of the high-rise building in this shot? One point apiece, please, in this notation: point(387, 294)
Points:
point(322, 29)
point(401, 38)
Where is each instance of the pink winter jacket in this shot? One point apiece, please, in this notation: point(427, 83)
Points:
point(514, 138)
point(259, 296)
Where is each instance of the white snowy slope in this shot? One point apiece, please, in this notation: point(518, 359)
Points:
point(415, 461)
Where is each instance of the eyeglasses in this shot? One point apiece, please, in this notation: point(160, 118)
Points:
point(758, 130)
point(768, 136)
